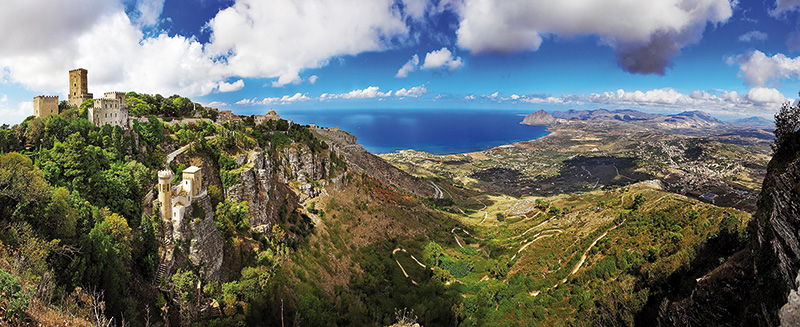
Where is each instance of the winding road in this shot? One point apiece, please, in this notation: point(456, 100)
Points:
point(536, 238)
point(401, 266)
point(438, 194)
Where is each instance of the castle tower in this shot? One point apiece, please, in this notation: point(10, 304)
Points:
point(78, 87)
point(165, 193)
point(44, 105)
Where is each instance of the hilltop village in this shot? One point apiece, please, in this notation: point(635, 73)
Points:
point(112, 108)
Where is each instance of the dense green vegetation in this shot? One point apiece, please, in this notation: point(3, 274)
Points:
point(74, 226)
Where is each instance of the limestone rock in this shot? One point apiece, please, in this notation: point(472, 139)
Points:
point(539, 118)
point(206, 244)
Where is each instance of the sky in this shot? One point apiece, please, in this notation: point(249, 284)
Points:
point(733, 59)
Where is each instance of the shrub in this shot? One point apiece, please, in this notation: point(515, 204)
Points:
point(13, 297)
point(229, 179)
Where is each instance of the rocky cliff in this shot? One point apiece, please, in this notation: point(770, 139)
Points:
point(758, 286)
point(361, 161)
point(539, 118)
point(205, 245)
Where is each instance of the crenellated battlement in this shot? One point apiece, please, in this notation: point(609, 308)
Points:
point(45, 105)
point(165, 174)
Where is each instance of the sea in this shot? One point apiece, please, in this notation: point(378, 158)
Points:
point(437, 131)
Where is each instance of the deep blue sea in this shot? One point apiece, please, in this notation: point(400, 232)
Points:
point(438, 131)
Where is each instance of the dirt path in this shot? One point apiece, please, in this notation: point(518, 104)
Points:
point(438, 194)
point(485, 215)
point(581, 262)
point(590, 173)
point(465, 232)
point(530, 229)
point(536, 238)
point(586, 253)
point(401, 266)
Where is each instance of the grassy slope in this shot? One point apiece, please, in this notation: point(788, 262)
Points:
point(632, 264)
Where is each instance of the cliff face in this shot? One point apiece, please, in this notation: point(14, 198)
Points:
point(539, 118)
point(361, 161)
point(205, 248)
point(777, 227)
point(758, 286)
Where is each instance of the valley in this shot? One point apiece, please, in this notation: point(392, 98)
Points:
point(598, 222)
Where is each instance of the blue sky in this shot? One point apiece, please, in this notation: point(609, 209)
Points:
point(733, 59)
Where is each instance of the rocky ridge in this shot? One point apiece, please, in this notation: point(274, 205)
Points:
point(539, 118)
point(361, 161)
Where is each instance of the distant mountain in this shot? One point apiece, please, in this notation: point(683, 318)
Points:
point(539, 118)
point(604, 114)
point(754, 122)
point(689, 119)
point(686, 119)
point(699, 115)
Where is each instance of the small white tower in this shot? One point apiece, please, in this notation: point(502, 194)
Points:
point(165, 193)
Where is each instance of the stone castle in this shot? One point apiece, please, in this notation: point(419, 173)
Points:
point(45, 105)
point(174, 200)
point(109, 110)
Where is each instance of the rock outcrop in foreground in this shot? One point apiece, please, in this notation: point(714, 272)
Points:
point(758, 286)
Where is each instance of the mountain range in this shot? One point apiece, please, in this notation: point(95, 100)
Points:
point(686, 119)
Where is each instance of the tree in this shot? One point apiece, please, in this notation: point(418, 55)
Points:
point(103, 261)
point(8, 140)
point(84, 108)
point(63, 105)
point(20, 181)
point(787, 124)
point(638, 200)
point(61, 218)
point(147, 247)
point(231, 216)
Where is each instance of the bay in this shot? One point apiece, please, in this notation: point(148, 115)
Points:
point(437, 131)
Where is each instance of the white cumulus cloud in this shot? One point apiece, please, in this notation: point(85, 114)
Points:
point(414, 92)
point(279, 38)
point(415, 8)
point(645, 35)
point(148, 11)
point(764, 95)
point(409, 66)
point(441, 58)
point(230, 87)
point(250, 39)
point(759, 69)
point(367, 93)
point(14, 114)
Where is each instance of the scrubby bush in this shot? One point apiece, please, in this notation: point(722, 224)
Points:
point(13, 297)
